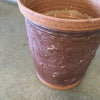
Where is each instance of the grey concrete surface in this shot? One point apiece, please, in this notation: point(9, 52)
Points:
point(18, 80)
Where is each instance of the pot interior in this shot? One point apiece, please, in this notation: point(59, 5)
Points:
point(76, 9)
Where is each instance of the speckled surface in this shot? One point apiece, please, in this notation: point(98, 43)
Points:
point(18, 80)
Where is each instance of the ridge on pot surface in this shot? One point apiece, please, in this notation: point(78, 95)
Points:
point(34, 10)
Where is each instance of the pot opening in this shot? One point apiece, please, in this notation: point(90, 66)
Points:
point(67, 9)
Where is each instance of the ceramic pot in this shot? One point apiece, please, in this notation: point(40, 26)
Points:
point(62, 49)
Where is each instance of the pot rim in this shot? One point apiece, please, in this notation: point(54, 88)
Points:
point(59, 23)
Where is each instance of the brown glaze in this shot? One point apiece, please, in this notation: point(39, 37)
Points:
point(61, 48)
point(61, 58)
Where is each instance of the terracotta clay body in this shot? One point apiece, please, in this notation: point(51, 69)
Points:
point(62, 48)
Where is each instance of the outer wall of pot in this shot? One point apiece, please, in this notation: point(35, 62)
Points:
point(61, 58)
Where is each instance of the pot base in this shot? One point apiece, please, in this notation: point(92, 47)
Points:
point(58, 87)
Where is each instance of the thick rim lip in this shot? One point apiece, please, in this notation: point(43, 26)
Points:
point(82, 25)
point(60, 19)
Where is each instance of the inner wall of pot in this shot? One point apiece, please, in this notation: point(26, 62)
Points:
point(89, 7)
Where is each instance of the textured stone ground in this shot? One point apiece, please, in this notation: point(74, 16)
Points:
point(18, 80)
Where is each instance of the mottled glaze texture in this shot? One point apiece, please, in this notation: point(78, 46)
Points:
point(62, 49)
point(61, 58)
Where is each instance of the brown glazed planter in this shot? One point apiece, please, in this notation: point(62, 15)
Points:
point(62, 49)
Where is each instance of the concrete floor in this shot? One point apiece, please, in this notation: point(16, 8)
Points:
point(18, 80)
